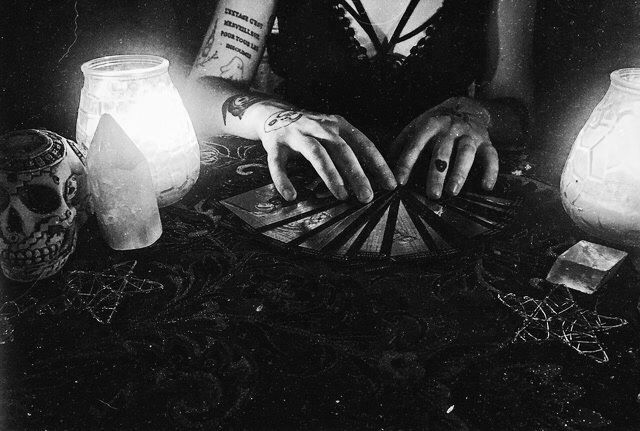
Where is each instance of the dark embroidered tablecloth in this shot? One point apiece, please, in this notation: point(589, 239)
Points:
point(209, 329)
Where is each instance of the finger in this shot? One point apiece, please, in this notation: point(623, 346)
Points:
point(368, 155)
point(311, 149)
point(277, 162)
point(326, 122)
point(439, 163)
point(317, 116)
point(349, 167)
point(398, 144)
point(320, 130)
point(414, 145)
point(488, 156)
point(465, 154)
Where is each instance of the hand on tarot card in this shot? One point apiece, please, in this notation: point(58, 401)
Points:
point(346, 160)
point(449, 138)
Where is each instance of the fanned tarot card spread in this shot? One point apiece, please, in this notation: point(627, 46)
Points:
point(400, 224)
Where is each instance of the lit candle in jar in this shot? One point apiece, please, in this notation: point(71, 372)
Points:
point(137, 91)
point(601, 176)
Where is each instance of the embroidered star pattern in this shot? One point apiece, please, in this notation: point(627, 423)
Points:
point(557, 316)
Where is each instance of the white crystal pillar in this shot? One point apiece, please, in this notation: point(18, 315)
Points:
point(122, 190)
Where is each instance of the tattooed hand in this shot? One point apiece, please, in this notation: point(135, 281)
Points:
point(281, 119)
point(339, 152)
point(457, 127)
point(238, 105)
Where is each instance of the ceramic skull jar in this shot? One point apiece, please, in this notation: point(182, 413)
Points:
point(43, 198)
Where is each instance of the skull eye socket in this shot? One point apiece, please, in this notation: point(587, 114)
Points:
point(39, 198)
point(4, 199)
point(71, 188)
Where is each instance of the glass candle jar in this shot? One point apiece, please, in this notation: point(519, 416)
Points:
point(600, 183)
point(137, 92)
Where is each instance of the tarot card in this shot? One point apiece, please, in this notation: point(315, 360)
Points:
point(402, 224)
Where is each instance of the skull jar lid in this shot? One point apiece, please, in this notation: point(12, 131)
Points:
point(42, 200)
point(30, 150)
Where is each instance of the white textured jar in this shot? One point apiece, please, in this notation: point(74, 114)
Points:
point(137, 91)
point(600, 182)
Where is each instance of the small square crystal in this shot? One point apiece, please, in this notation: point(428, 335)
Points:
point(586, 266)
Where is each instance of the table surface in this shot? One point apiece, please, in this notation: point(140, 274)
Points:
point(209, 328)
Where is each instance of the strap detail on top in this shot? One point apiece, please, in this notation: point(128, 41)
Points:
point(403, 21)
point(364, 20)
point(360, 14)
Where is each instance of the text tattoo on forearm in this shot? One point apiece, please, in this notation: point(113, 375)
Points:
point(237, 33)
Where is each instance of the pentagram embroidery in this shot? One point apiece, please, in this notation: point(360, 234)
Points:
point(100, 293)
point(558, 317)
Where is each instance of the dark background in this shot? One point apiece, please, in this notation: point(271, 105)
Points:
point(577, 44)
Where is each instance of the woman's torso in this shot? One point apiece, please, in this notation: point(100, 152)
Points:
point(318, 51)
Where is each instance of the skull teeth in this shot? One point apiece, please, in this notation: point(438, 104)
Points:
point(29, 257)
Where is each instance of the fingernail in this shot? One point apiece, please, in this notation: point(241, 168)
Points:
point(390, 184)
point(401, 176)
point(488, 184)
point(364, 194)
point(455, 189)
point(289, 194)
point(434, 194)
point(343, 194)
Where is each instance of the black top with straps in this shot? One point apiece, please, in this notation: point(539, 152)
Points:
point(386, 46)
point(326, 69)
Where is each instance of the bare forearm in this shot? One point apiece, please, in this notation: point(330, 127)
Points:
point(220, 107)
point(218, 96)
point(506, 90)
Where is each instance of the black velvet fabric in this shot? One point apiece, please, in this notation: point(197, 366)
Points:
point(242, 336)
